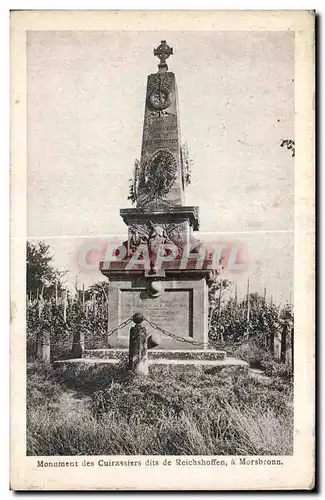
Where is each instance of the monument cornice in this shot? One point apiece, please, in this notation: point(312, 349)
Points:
point(169, 274)
point(172, 214)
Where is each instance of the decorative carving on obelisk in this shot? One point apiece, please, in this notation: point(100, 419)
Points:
point(160, 177)
point(158, 174)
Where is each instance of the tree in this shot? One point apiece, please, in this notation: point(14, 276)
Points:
point(41, 276)
point(216, 287)
point(99, 289)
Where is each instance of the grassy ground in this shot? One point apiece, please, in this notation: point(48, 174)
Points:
point(104, 411)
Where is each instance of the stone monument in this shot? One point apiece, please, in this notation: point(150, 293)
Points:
point(167, 289)
point(161, 272)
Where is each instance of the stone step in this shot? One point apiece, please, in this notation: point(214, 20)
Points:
point(162, 366)
point(156, 354)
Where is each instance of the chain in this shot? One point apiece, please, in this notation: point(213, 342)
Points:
point(109, 333)
point(173, 336)
point(120, 326)
point(153, 325)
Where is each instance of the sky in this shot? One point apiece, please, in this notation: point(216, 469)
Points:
point(86, 97)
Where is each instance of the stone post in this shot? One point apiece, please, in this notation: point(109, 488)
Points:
point(271, 342)
point(138, 350)
point(283, 352)
point(43, 348)
point(78, 344)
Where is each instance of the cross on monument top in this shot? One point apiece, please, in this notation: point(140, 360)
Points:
point(163, 51)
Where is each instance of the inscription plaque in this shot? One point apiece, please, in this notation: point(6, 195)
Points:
point(173, 310)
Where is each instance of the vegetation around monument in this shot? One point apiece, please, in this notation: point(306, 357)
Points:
point(100, 410)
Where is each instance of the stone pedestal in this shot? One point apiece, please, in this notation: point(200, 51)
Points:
point(181, 309)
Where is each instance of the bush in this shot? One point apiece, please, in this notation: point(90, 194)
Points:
point(259, 358)
point(255, 356)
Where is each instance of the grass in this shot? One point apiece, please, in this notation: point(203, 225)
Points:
point(105, 411)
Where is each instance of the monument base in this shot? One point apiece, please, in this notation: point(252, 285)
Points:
point(160, 366)
point(177, 314)
point(157, 354)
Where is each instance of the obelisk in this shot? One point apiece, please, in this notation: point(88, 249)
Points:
point(159, 180)
point(160, 185)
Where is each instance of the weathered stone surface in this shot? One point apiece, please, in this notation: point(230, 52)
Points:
point(164, 366)
point(174, 233)
point(138, 350)
point(180, 310)
point(161, 180)
point(176, 226)
point(180, 354)
point(173, 215)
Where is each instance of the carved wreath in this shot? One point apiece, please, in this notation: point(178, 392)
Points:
point(159, 174)
point(154, 177)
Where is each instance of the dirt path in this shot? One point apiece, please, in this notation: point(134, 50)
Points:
point(73, 403)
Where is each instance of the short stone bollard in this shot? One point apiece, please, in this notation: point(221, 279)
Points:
point(78, 345)
point(43, 348)
point(138, 349)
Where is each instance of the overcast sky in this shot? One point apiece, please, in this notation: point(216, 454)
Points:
point(86, 93)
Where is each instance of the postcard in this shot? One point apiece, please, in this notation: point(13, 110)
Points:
point(162, 250)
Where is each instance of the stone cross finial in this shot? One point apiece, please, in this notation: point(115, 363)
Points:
point(163, 51)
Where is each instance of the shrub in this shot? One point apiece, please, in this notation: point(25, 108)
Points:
point(253, 354)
